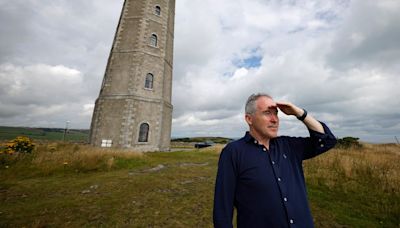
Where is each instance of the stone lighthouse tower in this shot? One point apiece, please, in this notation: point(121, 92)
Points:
point(134, 108)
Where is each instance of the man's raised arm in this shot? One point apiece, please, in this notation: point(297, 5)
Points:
point(308, 120)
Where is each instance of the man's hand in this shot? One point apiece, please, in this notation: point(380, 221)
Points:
point(289, 108)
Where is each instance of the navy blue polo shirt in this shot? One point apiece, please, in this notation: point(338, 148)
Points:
point(267, 187)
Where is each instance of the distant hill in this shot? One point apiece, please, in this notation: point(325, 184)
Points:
point(203, 139)
point(78, 135)
point(51, 134)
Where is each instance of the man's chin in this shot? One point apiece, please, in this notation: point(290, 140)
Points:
point(273, 132)
point(273, 135)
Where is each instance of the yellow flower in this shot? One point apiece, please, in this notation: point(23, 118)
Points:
point(20, 144)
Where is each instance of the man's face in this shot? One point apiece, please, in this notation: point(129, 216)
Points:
point(264, 121)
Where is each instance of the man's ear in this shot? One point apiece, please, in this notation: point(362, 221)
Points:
point(249, 119)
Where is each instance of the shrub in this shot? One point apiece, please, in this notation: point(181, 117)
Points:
point(20, 144)
point(348, 142)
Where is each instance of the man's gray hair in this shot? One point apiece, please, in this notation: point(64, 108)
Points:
point(250, 107)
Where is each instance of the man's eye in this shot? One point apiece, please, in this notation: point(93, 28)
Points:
point(269, 113)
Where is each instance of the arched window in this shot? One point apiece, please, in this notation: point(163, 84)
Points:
point(157, 10)
point(144, 132)
point(149, 81)
point(153, 40)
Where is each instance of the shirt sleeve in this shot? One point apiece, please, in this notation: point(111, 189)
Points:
point(225, 189)
point(319, 143)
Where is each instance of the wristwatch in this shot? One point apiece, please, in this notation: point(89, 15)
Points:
point(302, 117)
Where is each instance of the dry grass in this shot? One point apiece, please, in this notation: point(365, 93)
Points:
point(356, 186)
point(378, 164)
point(183, 145)
point(81, 154)
point(109, 188)
point(216, 148)
point(55, 157)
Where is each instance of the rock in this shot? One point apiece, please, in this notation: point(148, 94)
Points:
point(193, 164)
point(85, 191)
point(187, 182)
point(151, 170)
point(94, 186)
point(155, 169)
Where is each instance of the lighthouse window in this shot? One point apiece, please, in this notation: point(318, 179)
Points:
point(149, 81)
point(144, 132)
point(157, 10)
point(153, 40)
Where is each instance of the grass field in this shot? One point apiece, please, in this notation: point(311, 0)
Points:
point(49, 134)
point(71, 185)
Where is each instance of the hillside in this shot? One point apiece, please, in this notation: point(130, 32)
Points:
point(202, 139)
point(50, 134)
point(79, 135)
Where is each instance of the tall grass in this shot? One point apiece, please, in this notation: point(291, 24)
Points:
point(367, 177)
point(346, 187)
point(377, 165)
point(53, 158)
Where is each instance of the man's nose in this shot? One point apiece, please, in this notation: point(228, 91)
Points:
point(274, 118)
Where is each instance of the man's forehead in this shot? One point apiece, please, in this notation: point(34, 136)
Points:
point(272, 107)
point(266, 103)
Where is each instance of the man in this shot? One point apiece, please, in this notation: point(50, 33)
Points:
point(262, 175)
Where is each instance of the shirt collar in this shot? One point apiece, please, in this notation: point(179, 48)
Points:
point(250, 139)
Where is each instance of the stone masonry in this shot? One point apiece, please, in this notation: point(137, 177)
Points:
point(143, 45)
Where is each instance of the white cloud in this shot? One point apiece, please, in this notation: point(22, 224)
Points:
point(369, 35)
point(87, 110)
point(38, 93)
point(40, 84)
point(303, 51)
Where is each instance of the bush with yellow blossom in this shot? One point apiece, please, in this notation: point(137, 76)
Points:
point(20, 144)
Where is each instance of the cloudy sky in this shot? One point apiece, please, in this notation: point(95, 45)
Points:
point(339, 59)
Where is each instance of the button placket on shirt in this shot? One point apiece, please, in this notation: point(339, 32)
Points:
point(284, 193)
point(278, 178)
point(277, 173)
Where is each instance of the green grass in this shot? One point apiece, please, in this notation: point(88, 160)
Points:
point(49, 134)
point(341, 205)
point(80, 135)
point(119, 190)
point(129, 194)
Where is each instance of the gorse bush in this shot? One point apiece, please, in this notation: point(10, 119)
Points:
point(20, 144)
